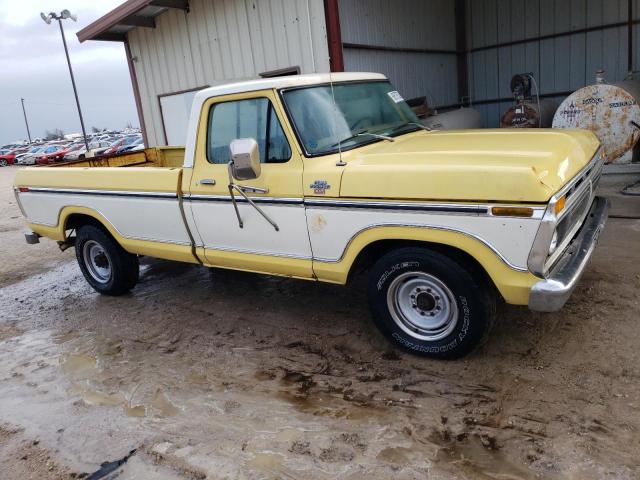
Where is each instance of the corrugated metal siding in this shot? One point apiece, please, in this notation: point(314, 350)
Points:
point(224, 40)
point(416, 24)
point(560, 64)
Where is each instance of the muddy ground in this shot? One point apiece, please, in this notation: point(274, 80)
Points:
point(217, 374)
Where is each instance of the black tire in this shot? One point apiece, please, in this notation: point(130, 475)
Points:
point(429, 304)
point(3, 162)
point(106, 266)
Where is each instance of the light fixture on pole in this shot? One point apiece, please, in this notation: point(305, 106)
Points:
point(65, 14)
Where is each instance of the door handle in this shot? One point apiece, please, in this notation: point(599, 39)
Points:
point(207, 181)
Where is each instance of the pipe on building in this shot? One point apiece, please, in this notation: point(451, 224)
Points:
point(630, 35)
point(334, 37)
point(136, 91)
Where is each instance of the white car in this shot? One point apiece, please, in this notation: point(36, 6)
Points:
point(83, 153)
point(29, 158)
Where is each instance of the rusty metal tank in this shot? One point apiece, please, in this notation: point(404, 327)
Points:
point(527, 115)
point(611, 111)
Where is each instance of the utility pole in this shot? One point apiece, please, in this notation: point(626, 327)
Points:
point(64, 15)
point(24, 112)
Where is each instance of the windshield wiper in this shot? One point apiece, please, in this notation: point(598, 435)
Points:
point(364, 134)
point(414, 124)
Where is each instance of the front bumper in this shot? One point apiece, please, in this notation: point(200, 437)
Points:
point(551, 294)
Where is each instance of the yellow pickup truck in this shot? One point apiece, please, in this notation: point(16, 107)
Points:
point(320, 176)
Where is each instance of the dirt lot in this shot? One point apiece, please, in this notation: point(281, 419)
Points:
point(214, 374)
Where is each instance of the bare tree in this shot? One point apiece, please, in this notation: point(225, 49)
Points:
point(55, 134)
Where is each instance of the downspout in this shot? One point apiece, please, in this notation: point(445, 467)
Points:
point(334, 37)
point(630, 36)
point(136, 91)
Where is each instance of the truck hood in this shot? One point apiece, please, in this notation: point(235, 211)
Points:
point(469, 165)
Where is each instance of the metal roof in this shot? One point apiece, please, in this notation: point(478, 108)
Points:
point(131, 14)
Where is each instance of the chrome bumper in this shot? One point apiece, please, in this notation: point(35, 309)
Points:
point(551, 294)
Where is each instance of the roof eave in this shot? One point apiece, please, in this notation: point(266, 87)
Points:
point(125, 15)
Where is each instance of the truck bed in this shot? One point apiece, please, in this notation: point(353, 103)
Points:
point(167, 157)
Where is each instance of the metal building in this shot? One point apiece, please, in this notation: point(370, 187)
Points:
point(449, 51)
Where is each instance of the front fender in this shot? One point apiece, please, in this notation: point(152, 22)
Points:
point(513, 284)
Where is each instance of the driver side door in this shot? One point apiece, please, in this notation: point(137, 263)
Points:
point(256, 245)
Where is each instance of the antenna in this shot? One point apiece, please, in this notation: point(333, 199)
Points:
point(339, 163)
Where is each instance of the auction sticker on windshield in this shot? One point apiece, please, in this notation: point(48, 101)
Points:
point(395, 96)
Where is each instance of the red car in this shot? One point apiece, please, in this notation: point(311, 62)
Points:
point(58, 155)
point(8, 157)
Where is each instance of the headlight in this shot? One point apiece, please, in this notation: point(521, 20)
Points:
point(554, 242)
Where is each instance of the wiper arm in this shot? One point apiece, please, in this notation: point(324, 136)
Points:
point(364, 134)
point(376, 135)
point(421, 126)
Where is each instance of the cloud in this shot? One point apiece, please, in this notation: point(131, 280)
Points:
point(33, 66)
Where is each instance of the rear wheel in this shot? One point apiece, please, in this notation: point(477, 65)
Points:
point(429, 304)
point(107, 267)
point(3, 162)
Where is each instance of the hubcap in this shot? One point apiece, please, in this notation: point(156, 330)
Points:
point(422, 306)
point(97, 261)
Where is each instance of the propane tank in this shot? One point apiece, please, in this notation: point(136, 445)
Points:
point(611, 111)
point(461, 119)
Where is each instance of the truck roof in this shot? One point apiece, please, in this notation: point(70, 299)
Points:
point(285, 82)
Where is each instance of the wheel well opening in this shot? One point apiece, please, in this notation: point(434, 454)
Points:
point(374, 251)
point(77, 220)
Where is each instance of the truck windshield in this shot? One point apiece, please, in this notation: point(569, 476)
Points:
point(361, 109)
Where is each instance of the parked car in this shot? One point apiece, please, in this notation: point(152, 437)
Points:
point(58, 155)
point(49, 149)
point(94, 148)
point(133, 147)
point(118, 144)
point(29, 158)
point(444, 222)
point(8, 156)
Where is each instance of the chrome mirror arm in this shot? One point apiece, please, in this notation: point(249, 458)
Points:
point(238, 188)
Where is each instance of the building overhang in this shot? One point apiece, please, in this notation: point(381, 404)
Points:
point(115, 25)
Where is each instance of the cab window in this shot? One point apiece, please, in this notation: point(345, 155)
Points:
point(252, 118)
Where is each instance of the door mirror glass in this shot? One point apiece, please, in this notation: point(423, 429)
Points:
point(245, 156)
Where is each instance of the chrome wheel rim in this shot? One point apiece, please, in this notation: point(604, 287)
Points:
point(422, 306)
point(97, 261)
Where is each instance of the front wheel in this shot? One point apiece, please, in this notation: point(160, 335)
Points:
point(428, 304)
point(3, 162)
point(107, 267)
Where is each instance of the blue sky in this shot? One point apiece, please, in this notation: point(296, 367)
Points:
point(33, 66)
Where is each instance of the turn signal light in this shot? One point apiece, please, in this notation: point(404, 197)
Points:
point(560, 204)
point(23, 189)
point(512, 211)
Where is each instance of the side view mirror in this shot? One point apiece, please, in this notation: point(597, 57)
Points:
point(245, 159)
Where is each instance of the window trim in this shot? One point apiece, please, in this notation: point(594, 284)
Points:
point(294, 127)
point(271, 108)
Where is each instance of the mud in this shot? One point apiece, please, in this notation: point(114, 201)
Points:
point(218, 374)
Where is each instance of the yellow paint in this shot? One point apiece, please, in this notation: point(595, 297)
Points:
point(138, 179)
point(282, 180)
point(269, 264)
point(513, 285)
point(469, 165)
